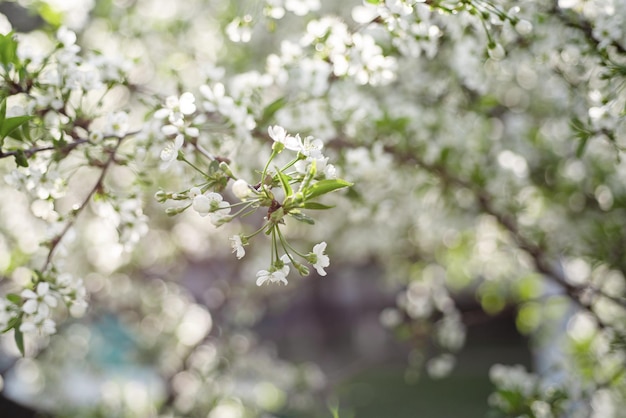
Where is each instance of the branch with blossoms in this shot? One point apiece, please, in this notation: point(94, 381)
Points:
point(283, 190)
point(583, 295)
point(43, 122)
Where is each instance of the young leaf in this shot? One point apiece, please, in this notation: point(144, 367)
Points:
point(8, 49)
point(302, 218)
point(3, 111)
point(316, 206)
point(10, 124)
point(284, 182)
point(272, 108)
point(12, 297)
point(19, 339)
point(325, 186)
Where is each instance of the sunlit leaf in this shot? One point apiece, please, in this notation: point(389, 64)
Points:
point(8, 48)
point(14, 298)
point(10, 124)
point(325, 186)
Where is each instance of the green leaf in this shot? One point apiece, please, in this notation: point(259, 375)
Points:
point(12, 297)
point(19, 340)
point(284, 182)
point(13, 323)
point(302, 218)
point(214, 167)
point(10, 124)
point(580, 149)
point(271, 109)
point(20, 158)
point(325, 186)
point(316, 206)
point(3, 110)
point(8, 49)
point(582, 133)
point(50, 14)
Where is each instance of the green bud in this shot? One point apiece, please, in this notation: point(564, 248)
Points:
point(302, 269)
point(175, 211)
point(161, 196)
point(226, 169)
point(278, 147)
point(224, 220)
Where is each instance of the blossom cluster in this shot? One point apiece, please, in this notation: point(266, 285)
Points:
point(309, 170)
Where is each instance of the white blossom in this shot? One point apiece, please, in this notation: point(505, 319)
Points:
point(39, 302)
point(45, 326)
point(170, 152)
point(272, 276)
point(237, 245)
point(280, 135)
point(211, 204)
point(319, 259)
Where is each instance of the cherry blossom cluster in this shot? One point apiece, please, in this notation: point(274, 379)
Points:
point(284, 192)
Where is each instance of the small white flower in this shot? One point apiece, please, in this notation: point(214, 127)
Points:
point(241, 189)
point(74, 294)
point(278, 134)
point(176, 108)
point(66, 36)
point(201, 204)
point(117, 124)
point(496, 52)
point(319, 259)
point(211, 204)
point(45, 326)
point(312, 147)
point(40, 302)
point(237, 245)
point(194, 191)
point(524, 27)
point(264, 276)
point(302, 7)
point(170, 152)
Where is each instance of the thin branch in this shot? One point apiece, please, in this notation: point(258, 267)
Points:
point(584, 26)
point(32, 151)
point(98, 186)
point(540, 259)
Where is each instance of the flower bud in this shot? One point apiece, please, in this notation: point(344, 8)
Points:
point(524, 27)
point(496, 51)
point(175, 211)
point(241, 189)
point(226, 169)
point(161, 196)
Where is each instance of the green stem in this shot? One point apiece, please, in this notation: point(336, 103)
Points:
point(193, 166)
point(290, 164)
point(267, 166)
point(242, 209)
point(258, 231)
point(288, 248)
